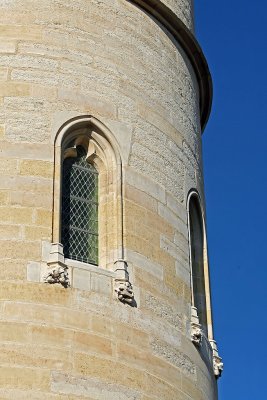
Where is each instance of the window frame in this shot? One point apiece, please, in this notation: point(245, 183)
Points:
point(193, 194)
point(76, 166)
point(103, 154)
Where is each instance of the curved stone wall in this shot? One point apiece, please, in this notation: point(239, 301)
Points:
point(184, 9)
point(61, 60)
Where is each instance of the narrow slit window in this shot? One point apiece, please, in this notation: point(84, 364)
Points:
point(197, 261)
point(79, 210)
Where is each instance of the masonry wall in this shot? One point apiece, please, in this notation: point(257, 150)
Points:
point(184, 9)
point(61, 60)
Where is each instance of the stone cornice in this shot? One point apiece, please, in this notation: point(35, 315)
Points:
point(187, 40)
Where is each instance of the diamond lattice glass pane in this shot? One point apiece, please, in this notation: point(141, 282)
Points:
point(79, 233)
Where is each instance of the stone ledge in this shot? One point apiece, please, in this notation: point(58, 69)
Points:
point(89, 267)
point(56, 269)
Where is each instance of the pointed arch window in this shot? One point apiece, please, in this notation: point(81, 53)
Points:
point(79, 210)
point(87, 216)
point(197, 261)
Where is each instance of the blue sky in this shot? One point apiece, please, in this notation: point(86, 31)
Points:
point(233, 36)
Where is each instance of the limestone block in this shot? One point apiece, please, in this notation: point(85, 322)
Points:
point(37, 233)
point(182, 272)
point(56, 255)
point(51, 336)
point(10, 394)
point(131, 335)
point(14, 332)
point(19, 249)
point(44, 78)
point(26, 32)
point(27, 150)
point(30, 199)
point(90, 388)
point(109, 370)
point(53, 51)
point(88, 342)
point(44, 294)
point(174, 283)
point(123, 133)
point(154, 365)
point(161, 123)
point(89, 101)
point(173, 220)
point(176, 207)
point(191, 389)
point(13, 270)
point(141, 198)
point(3, 73)
point(175, 251)
point(49, 314)
point(17, 215)
point(102, 325)
point(43, 217)
point(33, 272)
point(81, 279)
point(182, 361)
point(28, 378)
point(14, 89)
point(151, 284)
point(4, 197)
point(161, 389)
point(101, 284)
point(10, 232)
point(142, 262)
point(23, 61)
point(144, 184)
point(36, 167)
point(27, 355)
point(46, 249)
point(8, 167)
point(42, 92)
point(164, 311)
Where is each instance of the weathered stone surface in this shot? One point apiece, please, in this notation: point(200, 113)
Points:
point(97, 389)
point(109, 62)
point(175, 356)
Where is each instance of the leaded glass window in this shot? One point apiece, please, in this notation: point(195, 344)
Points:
point(79, 211)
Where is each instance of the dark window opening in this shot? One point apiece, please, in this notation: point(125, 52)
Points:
point(79, 210)
point(197, 261)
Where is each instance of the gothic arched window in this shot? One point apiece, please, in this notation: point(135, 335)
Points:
point(79, 207)
point(87, 210)
point(197, 260)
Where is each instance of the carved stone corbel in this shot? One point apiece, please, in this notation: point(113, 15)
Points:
point(57, 270)
point(123, 287)
point(196, 331)
point(58, 275)
point(217, 361)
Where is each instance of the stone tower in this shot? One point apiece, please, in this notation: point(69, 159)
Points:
point(104, 290)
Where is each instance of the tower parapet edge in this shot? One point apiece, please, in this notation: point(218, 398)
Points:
point(104, 286)
point(180, 31)
point(184, 9)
